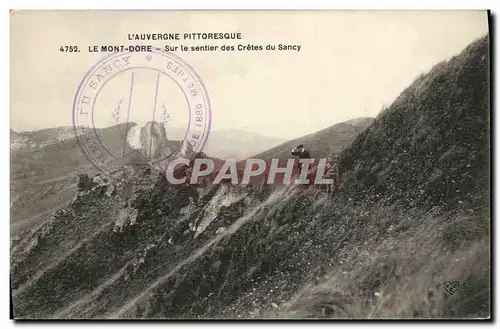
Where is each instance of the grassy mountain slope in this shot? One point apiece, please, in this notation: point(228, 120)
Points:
point(412, 212)
point(416, 196)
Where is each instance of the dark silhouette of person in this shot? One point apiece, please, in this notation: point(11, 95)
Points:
point(300, 152)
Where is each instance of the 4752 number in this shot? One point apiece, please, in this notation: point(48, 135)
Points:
point(69, 49)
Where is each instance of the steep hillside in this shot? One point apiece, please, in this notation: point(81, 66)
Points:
point(411, 213)
point(432, 145)
point(413, 209)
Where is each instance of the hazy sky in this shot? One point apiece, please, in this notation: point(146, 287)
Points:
point(350, 64)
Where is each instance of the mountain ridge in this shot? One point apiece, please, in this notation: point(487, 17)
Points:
point(377, 248)
point(319, 143)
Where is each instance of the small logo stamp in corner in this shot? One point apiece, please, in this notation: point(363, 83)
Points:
point(451, 286)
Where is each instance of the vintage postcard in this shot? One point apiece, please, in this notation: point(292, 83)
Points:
point(250, 165)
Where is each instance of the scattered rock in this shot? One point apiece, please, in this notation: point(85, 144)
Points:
point(221, 230)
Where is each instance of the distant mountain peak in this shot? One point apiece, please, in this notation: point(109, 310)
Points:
point(329, 140)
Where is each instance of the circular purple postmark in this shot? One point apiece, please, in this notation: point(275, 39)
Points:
point(140, 108)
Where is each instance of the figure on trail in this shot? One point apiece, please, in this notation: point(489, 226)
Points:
point(300, 152)
point(332, 172)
